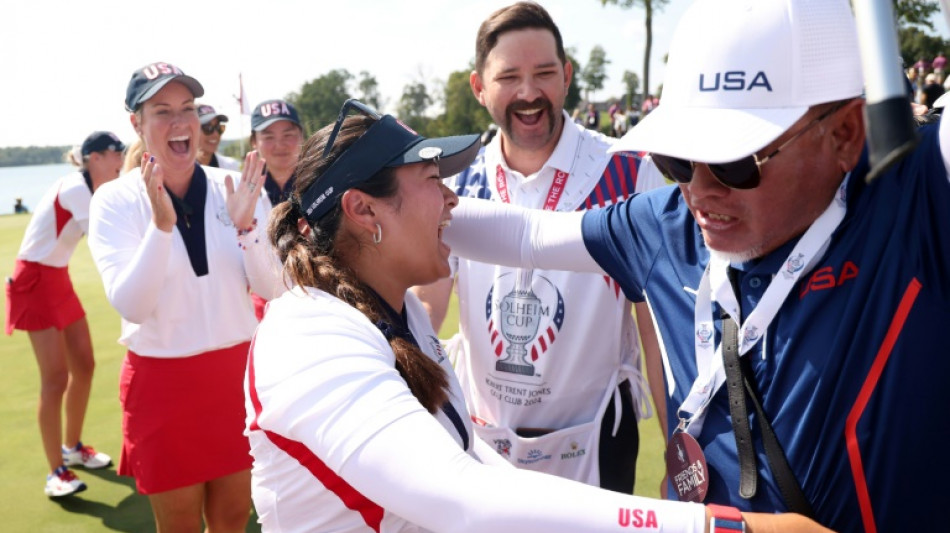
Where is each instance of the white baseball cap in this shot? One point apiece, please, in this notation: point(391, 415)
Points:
point(741, 72)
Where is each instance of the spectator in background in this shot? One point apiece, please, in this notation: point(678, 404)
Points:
point(212, 128)
point(613, 109)
point(931, 91)
point(939, 63)
point(489, 134)
point(649, 104)
point(19, 208)
point(915, 87)
point(620, 123)
point(592, 118)
point(633, 116)
point(42, 302)
point(922, 66)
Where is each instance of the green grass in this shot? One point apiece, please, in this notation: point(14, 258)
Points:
point(111, 503)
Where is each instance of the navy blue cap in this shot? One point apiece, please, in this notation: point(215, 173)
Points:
point(100, 141)
point(150, 79)
point(207, 113)
point(387, 143)
point(270, 111)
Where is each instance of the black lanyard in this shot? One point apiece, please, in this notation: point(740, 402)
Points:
point(739, 381)
point(748, 478)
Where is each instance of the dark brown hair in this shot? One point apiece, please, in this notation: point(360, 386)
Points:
point(519, 16)
point(313, 260)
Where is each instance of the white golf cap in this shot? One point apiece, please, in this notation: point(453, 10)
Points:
point(741, 72)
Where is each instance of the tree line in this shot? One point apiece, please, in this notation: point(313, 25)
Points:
point(432, 108)
point(18, 156)
point(447, 107)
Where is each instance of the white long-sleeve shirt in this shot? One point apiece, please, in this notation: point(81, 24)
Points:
point(340, 443)
point(167, 310)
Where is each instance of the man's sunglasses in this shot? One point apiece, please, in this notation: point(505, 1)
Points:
point(211, 127)
point(739, 174)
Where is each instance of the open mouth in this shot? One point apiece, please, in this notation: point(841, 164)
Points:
point(529, 113)
point(715, 221)
point(529, 117)
point(442, 225)
point(180, 144)
point(718, 217)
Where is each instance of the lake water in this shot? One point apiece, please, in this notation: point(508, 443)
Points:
point(28, 183)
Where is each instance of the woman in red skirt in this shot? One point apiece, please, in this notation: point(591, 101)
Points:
point(177, 247)
point(42, 302)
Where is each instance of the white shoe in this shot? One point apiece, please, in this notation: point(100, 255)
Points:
point(63, 482)
point(86, 457)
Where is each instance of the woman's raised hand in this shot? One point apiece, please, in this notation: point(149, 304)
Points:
point(163, 211)
point(242, 199)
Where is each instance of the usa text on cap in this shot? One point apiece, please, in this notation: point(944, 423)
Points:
point(271, 111)
point(150, 79)
point(741, 72)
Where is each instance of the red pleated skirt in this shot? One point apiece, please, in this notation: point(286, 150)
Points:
point(41, 297)
point(183, 418)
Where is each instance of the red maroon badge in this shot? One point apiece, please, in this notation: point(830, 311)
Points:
point(686, 467)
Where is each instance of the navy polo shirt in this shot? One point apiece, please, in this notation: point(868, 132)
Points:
point(852, 370)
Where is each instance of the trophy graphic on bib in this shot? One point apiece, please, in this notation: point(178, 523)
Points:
point(520, 318)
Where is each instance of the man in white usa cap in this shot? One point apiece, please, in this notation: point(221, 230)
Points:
point(801, 309)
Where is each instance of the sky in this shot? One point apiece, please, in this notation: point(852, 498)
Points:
point(64, 65)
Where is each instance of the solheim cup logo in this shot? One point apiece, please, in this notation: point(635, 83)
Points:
point(704, 333)
point(523, 325)
point(751, 336)
point(794, 264)
point(520, 319)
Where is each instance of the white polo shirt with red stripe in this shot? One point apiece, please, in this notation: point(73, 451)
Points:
point(341, 445)
point(61, 218)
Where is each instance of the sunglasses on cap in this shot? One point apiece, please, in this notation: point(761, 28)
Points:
point(739, 174)
point(387, 143)
point(212, 127)
point(349, 105)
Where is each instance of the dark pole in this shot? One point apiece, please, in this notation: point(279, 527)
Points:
point(890, 124)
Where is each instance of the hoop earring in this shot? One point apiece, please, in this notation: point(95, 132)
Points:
point(378, 235)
